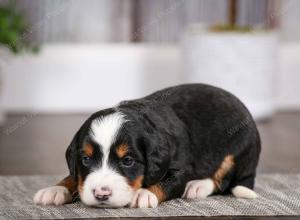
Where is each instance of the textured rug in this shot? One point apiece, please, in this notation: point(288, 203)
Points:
point(278, 195)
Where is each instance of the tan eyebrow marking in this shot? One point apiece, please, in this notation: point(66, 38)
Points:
point(122, 150)
point(88, 150)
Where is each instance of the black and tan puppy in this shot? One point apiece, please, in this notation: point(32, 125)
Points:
point(187, 141)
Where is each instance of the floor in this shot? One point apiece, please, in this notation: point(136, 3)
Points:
point(35, 144)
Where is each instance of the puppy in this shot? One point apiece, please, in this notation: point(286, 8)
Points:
point(188, 141)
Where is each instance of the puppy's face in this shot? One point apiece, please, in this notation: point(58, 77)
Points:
point(115, 153)
point(110, 167)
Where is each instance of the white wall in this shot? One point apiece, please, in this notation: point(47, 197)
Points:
point(85, 78)
point(288, 79)
point(68, 78)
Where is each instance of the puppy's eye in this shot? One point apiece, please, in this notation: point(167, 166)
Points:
point(86, 161)
point(127, 161)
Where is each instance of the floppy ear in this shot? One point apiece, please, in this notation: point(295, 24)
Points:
point(71, 155)
point(156, 152)
point(158, 160)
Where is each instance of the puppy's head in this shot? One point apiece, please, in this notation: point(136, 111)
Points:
point(112, 156)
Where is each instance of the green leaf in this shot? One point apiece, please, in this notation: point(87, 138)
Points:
point(13, 27)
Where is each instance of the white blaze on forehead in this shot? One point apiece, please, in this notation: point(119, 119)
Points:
point(105, 129)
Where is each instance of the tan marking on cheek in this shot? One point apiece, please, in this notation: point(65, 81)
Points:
point(80, 184)
point(137, 183)
point(223, 169)
point(69, 183)
point(158, 191)
point(122, 150)
point(88, 150)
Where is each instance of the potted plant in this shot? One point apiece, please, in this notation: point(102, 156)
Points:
point(240, 59)
point(13, 40)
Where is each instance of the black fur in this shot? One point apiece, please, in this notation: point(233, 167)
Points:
point(179, 134)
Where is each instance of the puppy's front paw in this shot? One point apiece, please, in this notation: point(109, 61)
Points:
point(54, 195)
point(143, 198)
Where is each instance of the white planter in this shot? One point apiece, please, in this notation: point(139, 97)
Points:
point(242, 63)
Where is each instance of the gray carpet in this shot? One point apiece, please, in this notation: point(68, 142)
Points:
point(279, 195)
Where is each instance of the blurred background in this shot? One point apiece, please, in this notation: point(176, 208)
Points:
point(61, 60)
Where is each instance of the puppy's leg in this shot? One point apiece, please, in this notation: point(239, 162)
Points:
point(243, 187)
point(144, 198)
point(172, 186)
point(219, 181)
point(243, 192)
point(59, 194)
point(196, 189)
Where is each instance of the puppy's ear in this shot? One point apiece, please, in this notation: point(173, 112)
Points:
point(156, 152)
point(71, 155)
point(157, 161)
point(157, 155)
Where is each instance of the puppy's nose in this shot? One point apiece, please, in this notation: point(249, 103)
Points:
point(102, 193)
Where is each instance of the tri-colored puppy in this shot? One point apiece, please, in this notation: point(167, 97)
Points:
point(187, 141)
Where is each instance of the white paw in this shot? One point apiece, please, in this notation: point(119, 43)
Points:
point(54, 195)
point(143, 198)
point(243, 192)
point(197, 189)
